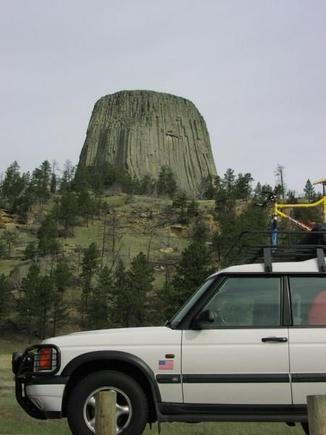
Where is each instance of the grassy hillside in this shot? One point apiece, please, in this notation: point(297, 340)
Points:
point(121, 228)
point(142, 224)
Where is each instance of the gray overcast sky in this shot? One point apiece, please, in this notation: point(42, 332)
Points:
point(256, 69)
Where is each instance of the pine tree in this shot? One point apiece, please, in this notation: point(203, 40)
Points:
point(62, 275)
point(224, 195)
point(3, 249)
point(194, 267)
point(309, 191)
point(180, 203)
point(89, 267)
point(232, 186)
point(258, 190)
point(243, 187)
point(224, 239)
point(146, 185)
point(48, 236)
point(67, 177)
point(5, 297)
point(311, 215)
point(200, 232)
point(23, 203)
point(82, 179)
point(232, 224)
point(53, 185)
point(127, 182)
point(100, 298)
point(41, 182)
point(169, 302)
point(141, 277)
point(263, 195)
point(43, 305)
point(121, 309)
point(86, 205)
point(193, 209)
point(252, 218)
point(100, 177)
point(31, 251)
point(13, 184)
point(27, 299)
point(62, 278)
point(68, 211)
point(166, 183)
point(229, 181)
point(10, 238)
point(208, 187)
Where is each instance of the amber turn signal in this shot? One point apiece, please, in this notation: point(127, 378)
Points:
point(45, 358)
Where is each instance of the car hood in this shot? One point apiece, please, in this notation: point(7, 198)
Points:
point(118, 337)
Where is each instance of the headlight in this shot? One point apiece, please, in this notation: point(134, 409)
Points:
point(46, 359)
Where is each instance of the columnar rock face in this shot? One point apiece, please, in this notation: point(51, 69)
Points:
point(141, 131)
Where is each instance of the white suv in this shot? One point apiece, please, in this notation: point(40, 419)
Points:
point(249, 345)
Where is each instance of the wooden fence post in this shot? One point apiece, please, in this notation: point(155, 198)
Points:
point(105, 413)
point(317, 414)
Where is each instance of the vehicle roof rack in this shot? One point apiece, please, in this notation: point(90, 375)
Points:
point(256, 247)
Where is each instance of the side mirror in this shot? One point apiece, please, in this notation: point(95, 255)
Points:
point(204, 317)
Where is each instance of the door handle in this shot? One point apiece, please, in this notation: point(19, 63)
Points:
point(274, 339)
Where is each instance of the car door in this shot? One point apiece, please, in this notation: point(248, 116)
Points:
point(242, 356)
point(307, 336)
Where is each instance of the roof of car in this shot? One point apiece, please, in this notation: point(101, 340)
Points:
point(307, 266)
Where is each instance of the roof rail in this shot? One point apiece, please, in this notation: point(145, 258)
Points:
point(256, 247)
point(268, 259)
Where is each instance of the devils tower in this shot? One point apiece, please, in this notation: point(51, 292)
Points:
point(142, 131)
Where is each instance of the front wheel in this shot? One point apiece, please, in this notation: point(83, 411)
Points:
point(131, 408)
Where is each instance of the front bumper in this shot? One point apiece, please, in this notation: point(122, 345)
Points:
point(41, 401)
point(39, 394)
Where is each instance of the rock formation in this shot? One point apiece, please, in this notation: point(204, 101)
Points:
point(141, 131)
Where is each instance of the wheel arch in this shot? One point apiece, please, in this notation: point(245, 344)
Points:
point(122, 362)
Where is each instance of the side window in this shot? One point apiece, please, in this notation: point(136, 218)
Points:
point(246, 301)
point(308, 297)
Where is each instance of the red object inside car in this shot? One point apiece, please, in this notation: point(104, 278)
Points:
point(317, 313)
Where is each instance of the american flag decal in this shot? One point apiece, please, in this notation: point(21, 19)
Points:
point(166, 364)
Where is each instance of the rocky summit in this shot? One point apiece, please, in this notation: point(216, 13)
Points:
point(142, 131)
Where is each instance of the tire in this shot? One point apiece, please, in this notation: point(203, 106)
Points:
point(305, 427)
point(131, 403)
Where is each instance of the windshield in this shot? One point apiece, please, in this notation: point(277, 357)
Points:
point(190, 302)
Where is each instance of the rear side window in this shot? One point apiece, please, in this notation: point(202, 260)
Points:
point(308, 297)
